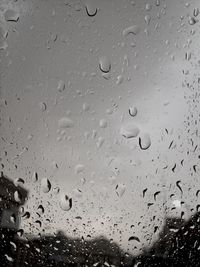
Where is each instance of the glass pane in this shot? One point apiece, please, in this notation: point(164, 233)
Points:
point(99, 136)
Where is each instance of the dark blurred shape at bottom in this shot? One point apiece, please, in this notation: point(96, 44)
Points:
point(178, 243)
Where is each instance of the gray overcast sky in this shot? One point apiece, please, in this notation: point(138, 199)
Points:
point(63, 117)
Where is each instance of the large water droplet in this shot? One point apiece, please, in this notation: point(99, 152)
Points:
point(45, 185)
point(132, 111)
point(11, 15)
point(65, 202)
point(104, 64)
point(65, 123)
point(144, 141)
point(134, 29)
point(90, 8)
point(129, 131)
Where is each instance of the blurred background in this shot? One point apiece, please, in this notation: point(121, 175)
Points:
point(99, 116)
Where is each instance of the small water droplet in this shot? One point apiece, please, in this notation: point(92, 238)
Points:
point(61, 86)
point(86, 106)
point(42, 106)
point(17, 196)
point(192, 21)
point(79, 168)
point(10, 259)
point(45, 185)
point(144, 141)
point(104, 64)
point(132, 111)
point(35, 177)
point(19, 182)
point(129, 131)
point(120, 79)
point(157, 3)
point(147, 19)
point(40, 209)
point(100, 142)
point(134, 29)
point(148, 7)
point(39, 223)
point(120, 189)
point(103, 123)
point(26, 215)
point(65, 123)
point(13, 218)
point(20, 232)
point(134, 238)
point(3, 44)
point(65, 202)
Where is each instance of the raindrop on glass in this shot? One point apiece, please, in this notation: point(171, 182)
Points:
point(65, 202)
point(45, 185)
point(144, 141)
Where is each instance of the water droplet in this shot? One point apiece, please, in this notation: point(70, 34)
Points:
point(45, 185)
point(17, 196)
point(157, 3)
point(35, 177)
point(11, 15)
point(9, 258)
point(26, 215)
point(196, 12)
point(79, 168)
point(134, 238)
point(39, 223)
point(20, 232)
point(65, 123)
point(120, 79)
point(192, 21)
point(134, 29)
point(61, 86)
point(13, 218)
point(120, 189)
point(65, 202)
point(19, 182)
point(103, 123)
point(104, 64)
point(40, 209)
point(144, 141)
point(147, 19)
point(42, 106)
point(129, 131)
point(148, 7)
point(3, 44)
point(132, 111)
point(100, 142)
point(91, 9)
point(86, 106)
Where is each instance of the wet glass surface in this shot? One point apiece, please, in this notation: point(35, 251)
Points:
point(99, 133)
